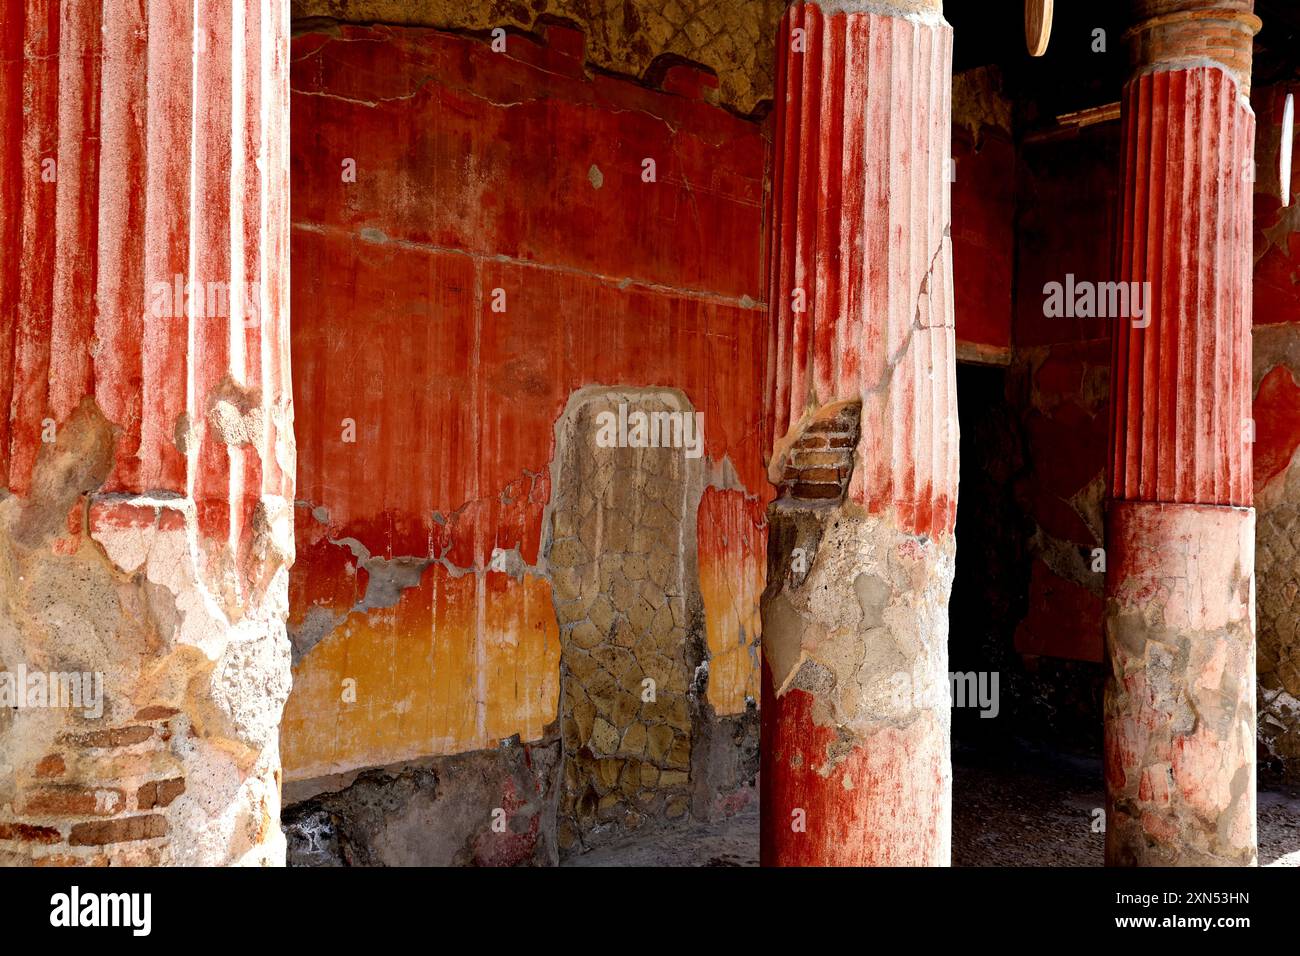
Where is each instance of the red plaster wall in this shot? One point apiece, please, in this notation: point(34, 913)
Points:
point(983, 243)
point(1277, 230)
point(478, 171)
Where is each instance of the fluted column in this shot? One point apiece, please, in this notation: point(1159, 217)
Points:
point(1180, 697)
point(862, 416)
point(148, 457)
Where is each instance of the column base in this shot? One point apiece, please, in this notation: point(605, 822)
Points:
point(148, 730)
point(856, 753)
point(1180, 697)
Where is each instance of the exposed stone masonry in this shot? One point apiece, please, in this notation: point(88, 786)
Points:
point(620, 556)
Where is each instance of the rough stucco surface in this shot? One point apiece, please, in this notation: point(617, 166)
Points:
point(872, 608)
point(857, 724)
point(731, 38)
point(1180, 695)
point(182, 768)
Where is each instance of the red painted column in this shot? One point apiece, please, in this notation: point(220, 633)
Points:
point(1180, 615)
point(861, 402)
point(148, 455)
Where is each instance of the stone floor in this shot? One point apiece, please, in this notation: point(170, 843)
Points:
point(1024, 806)
point(1021, 806)
point(733, 842)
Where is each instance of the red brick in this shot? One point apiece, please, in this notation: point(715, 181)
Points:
point(116, 737)
point(156, 712)
point(121, 830)
point(816, 491)
point(159, 793)
point(840, 423)
point(67, 859)
point(821, 474)
point(51, 766)
point(29, 834)
point(74, 802)
point(833, 459)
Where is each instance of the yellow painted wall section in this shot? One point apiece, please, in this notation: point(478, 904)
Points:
point(733, 570)
point(458, 664)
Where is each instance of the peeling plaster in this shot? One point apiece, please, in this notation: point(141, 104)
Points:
point(871, 609)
